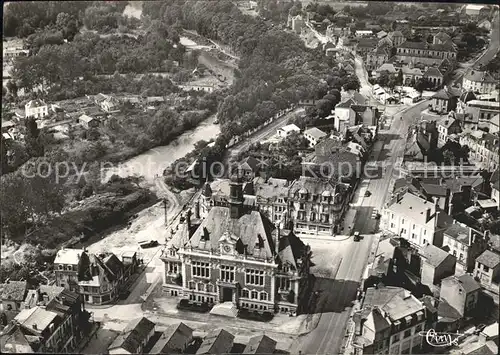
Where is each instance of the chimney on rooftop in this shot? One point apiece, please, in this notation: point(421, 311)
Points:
point(35, 326)
point(427, 215)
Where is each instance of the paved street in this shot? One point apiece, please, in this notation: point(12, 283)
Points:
point(336, 296)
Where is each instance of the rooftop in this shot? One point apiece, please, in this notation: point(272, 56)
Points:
point(479, 76)
point(218, 341)
point(173, 339)
point(260, 344)
point(133, 335)
point(395, 301)
point(290, 128)
point(459, 233)
point(414, 208)
point(315, 133)
point(68, 256)
point(489, 258)
point(434, 255)
point(14, 290)
point(36, 319)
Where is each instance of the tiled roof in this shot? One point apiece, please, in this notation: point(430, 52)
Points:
point(446, 93)
point(433, 72)
point(395, 301)
point(14, 290)
point(133, 335)
point(458, 232)
point(217, 341)
point(271, 189)
point(489, 258)
point(466, 281)
point(479, 76)
point(386, 67)
point(443, 37)
point(173, 339)
point(413, 45)
point(260, 344)
point(434, 255)
point(396, 34)
point(411, 71)
point(36, 319)
point(315, 133)
point(368, 42)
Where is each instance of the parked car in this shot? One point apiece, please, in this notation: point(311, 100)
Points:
point(255, 315)
point(357, 236)
point(148, 244)
point(367, 193)
point(186, 305)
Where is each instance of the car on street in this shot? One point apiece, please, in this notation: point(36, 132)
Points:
point(148, 244)
point(255, 315)
point(185, 305)
point(367, 193)
point(357, 236)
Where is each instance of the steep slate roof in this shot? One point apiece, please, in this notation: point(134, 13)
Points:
point(434, 255)
point(479, 76)
point(413, 45)
point(443, 37)
point(432, 71)
point(260, 344)
point(246, 230)
point(14, 290)
point(489, 258)
point(346, 104)
point(217, 341)
point(173, 339)
point(133, 335)
point(368, 42)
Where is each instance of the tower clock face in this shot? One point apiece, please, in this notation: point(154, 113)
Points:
point(227, 248)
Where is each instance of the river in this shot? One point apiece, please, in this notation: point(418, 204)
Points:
point(155, 160)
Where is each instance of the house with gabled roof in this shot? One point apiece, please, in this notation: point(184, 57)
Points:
point(260, 344)
point(98, 278)
point(36, 109)
point(174, 340)
point(217, 341)
point(436, 265)
point(13, 294)
point(314, 135)
point(461, 293)
point(445, 100)
point(479, 81)
point(238, 255)
point(487, 268)
point(434, 76)
point(133, 338)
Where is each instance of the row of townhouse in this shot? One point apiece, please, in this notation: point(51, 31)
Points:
point(178, 337)
point(484, 148)
point(98, 278)
point(49, 319)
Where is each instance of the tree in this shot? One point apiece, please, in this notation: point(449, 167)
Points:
point(352, 83)
point(12, 87)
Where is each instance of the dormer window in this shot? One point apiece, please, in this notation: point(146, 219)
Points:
point(172, 252)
